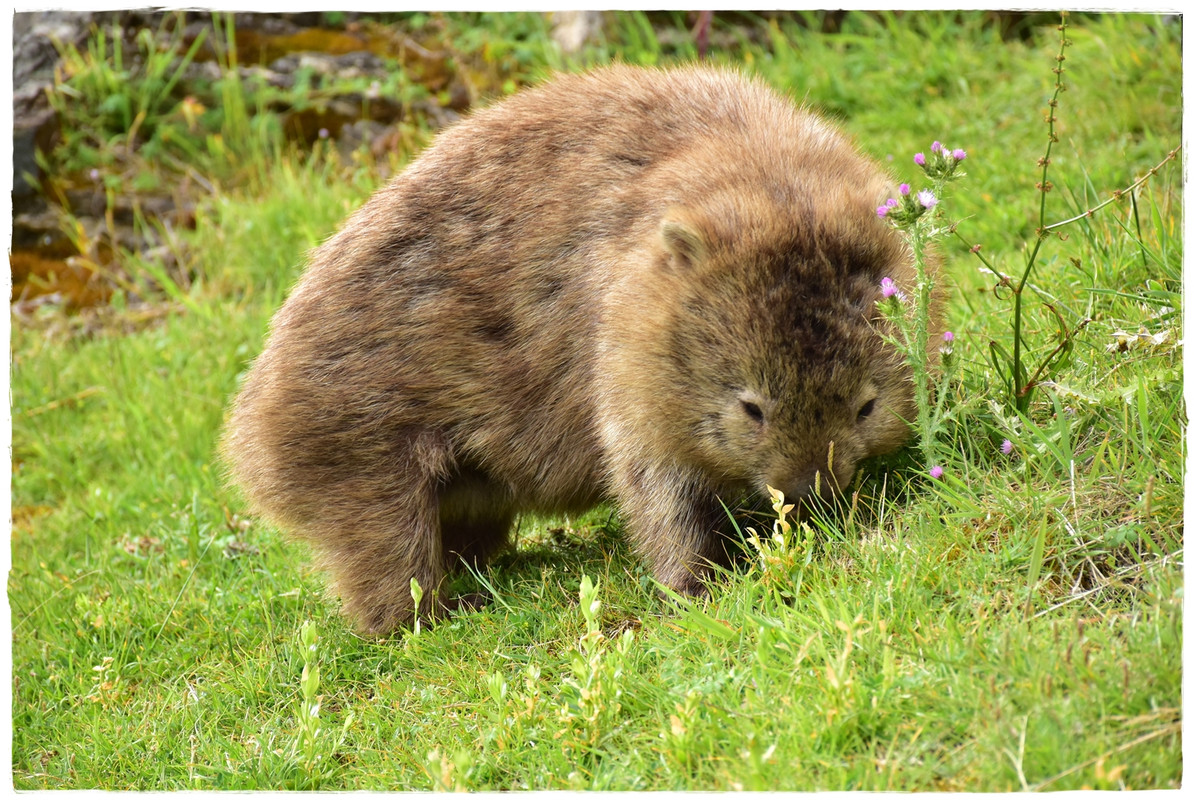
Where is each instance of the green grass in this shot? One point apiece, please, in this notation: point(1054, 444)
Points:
point(1017, 624)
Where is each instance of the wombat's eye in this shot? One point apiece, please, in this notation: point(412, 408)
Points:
point(753, 411)
point(866, 409)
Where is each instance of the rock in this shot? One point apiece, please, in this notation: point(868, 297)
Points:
point(33, 35)
point(34, 123)
point(571, 30)
point(200, 71)
point(34, 129)
point(358, 64)
point(363, 132)
point(39, 229)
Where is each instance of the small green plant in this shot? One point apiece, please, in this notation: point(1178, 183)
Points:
point(310, 745)
point(591, 698)
point(517, 714)
point(678, 736)
point(416, 594)
point(449, 773)
point(784, 553)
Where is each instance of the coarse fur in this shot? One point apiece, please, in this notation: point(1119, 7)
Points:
point(651, 286)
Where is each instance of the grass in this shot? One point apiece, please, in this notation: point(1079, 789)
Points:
point(1015, 625)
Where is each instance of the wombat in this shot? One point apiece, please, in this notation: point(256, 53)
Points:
point(656, 287)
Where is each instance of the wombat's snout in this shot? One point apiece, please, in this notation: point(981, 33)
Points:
point(813, 479)
point(816, 484)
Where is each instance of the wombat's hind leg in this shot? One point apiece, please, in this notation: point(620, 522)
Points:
point(381, 531)
point(475, 517)
point(472, 542)
point(469, 544)
point(376, 592)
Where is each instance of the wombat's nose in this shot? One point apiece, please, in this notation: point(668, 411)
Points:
point(812, 481)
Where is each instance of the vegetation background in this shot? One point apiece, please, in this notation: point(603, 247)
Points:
point(1016, 624)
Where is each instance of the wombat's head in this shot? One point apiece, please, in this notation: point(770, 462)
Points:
point(776, 343)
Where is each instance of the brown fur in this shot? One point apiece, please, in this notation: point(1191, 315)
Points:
point(588, 291)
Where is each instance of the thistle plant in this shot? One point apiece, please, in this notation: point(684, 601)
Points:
point(917, 215)
point(1021, 378)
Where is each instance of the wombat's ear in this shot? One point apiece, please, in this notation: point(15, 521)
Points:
point(683, 240)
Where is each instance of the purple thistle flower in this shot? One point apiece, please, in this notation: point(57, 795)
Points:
point(937, 472)
point(888, 287)
point(1006, 447)
point(947, 345)
point(905, 189)
point(959, 155)
point(936, 148)
point(881, 211)
point(926, 198)
point(919, 158)
point(892, 202)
